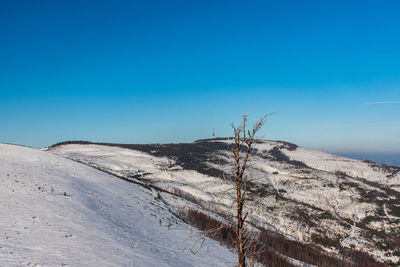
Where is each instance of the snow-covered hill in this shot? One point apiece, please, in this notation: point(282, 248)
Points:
point(56, 212)
point(313, 197)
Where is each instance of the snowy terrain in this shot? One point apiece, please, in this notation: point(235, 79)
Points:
point(56, 212)
point(309, 196)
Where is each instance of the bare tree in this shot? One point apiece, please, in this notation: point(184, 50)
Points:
point(244, 139)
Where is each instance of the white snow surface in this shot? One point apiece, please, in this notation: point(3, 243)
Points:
point(100, 221)
point(316, 191)
point(125, 162)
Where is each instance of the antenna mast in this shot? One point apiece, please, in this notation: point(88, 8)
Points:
point(213, 132)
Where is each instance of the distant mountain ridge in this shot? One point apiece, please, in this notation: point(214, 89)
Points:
point(391, 159)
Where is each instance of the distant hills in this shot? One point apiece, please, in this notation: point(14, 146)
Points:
point(392, 159)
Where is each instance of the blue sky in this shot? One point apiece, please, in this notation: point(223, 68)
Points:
point(170, 71)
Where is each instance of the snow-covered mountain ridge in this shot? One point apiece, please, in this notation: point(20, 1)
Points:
point(57, 212)
point(309, 196)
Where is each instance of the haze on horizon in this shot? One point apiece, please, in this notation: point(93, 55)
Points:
point(160, 72)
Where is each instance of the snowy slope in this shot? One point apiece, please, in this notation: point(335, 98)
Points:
point(54, 211)
point(324, 161)
point(380, 173)
point(309, 196)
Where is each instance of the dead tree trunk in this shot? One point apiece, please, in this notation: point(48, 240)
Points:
point(243, 141)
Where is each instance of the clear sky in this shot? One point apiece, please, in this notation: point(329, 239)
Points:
point(170, 71)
